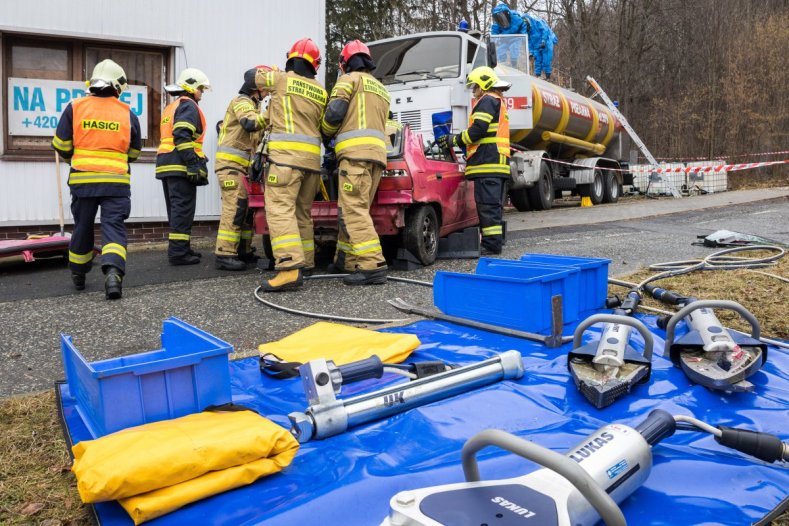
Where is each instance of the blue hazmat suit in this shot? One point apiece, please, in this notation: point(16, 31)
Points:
point(517, 27)
point(541, 38)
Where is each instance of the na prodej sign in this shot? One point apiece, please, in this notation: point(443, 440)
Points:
point(35, 105)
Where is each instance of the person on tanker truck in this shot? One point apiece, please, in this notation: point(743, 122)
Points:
point(292, 177)
point(99, 135)
point(356, 116)
point(487, 142)
point(239, 134)
point(541, 38)
point(181, 164)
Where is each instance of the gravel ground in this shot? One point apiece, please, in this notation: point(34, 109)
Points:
point(37, 302)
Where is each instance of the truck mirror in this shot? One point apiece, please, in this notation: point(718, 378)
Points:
point(493, 58)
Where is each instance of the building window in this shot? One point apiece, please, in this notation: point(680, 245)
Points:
point(41, 75)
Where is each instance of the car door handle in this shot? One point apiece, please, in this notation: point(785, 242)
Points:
point(439, 176)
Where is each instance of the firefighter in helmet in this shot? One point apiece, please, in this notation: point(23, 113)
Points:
point(100, 136)
point(239, 134)
point(356, 116)
point(487, 143)
point(180, 162)
point(292, 177)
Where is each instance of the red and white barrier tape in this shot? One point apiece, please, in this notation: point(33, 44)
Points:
point(718, 158)
point(681, 169)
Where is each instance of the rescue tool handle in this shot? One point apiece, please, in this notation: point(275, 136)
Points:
point(564, 466)
point(622, 320)
point(357, 371)
point(658, 425)
point(756, 330)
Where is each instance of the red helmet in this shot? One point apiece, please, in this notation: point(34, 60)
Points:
point(354, 47)
point(306, 49)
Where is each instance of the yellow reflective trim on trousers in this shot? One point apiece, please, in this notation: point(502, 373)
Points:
point(80, 259)
point(345, 247)
point(173, 236)
point(286, 241)
point(308, 245)
point(294, 145)
point(97, 177)
point(171, 168)
point(287, 108)
point(366, 247)
point(362, 112)
point(100, 153)
point(359, 141)
point(487, 168)
point(234, 158)
point(247, 234)
point(228, 235)
point(114, 248)
point(183, 124)
point(487, 117)
point(492, 230)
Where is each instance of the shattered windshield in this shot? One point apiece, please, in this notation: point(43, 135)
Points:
point(417, 58)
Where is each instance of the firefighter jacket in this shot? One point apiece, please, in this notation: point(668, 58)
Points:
point(182, 132)
point(360, 130)
point(294, 114)
point(487, 138)
point(100, 136)
point(239, 133)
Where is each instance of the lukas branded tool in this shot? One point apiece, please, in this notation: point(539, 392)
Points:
point(576, 489)
point(607, 369)
point(710, 354)
point(328, 416)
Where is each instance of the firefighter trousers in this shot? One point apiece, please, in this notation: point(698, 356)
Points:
point(358, 245)
point(114, 211)
point(289, 195)
point(235, 224)
point(180, 196)
point(489, 197)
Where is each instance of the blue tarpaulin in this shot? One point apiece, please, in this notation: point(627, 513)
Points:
point(347, 480)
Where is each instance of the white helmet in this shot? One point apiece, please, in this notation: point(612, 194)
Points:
point(189, 80)
point(108, 73)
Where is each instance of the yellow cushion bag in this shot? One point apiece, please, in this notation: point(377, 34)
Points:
point(342, 344)
point(160, 454)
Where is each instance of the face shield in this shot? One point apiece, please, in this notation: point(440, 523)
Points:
point(502, 18)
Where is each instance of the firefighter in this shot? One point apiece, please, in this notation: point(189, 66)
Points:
point(181, 163)
point(239, 134)
point(292, 177)
point(100, 136)
point(357, 114)
point(542, 39)
point(487, 143)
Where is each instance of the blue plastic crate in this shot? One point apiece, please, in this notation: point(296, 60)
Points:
point(593, 281)
point(567, 287)
point(189, 373)
point(517, 303)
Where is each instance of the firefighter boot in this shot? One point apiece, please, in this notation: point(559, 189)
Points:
point(366, 277)
point(78, 279)
point(229, 263)
point(112, 284)
point(284, 280)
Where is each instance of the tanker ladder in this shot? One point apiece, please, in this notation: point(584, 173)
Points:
point(630, 131)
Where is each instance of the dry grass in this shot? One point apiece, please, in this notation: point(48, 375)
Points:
point(36, 486)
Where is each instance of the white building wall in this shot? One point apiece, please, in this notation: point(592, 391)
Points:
point(223, 39)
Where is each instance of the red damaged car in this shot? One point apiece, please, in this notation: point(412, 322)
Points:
point(423, 196)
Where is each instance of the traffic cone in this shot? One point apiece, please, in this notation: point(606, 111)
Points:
point(586, 201)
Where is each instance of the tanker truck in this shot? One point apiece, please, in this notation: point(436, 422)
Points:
point(561, 140)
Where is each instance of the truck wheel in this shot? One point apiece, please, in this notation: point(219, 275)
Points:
point(520, 199)
point(612, 189)
point(541, 194)
point(593, 191)
point(420, 235)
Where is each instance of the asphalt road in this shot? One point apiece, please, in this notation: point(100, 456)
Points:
point(37, 301)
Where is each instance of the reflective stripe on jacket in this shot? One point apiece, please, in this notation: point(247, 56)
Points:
point(361, 135)
point(487, 137)
point(101, 139)
point(182, 132)
point(294, 114)
point(235, 144)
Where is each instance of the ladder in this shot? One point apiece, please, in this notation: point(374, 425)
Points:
point(631, 132)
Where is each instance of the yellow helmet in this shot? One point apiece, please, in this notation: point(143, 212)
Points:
point(483, 76)
point(108, 73)
point(189, 80)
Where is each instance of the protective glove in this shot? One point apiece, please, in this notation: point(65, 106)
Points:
point(447, 142)
point(197, 173)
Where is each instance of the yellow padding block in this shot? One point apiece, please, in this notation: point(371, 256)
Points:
point(158, 467)
point(586, 201)
point(342, 344)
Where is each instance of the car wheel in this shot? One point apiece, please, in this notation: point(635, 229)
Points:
point(420, 236)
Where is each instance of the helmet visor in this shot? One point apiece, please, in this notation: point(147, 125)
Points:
point(502, 19)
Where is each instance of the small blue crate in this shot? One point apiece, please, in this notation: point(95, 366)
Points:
point(518, 303)
point(593, 281)
point(566, 286)
point(189, 373)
